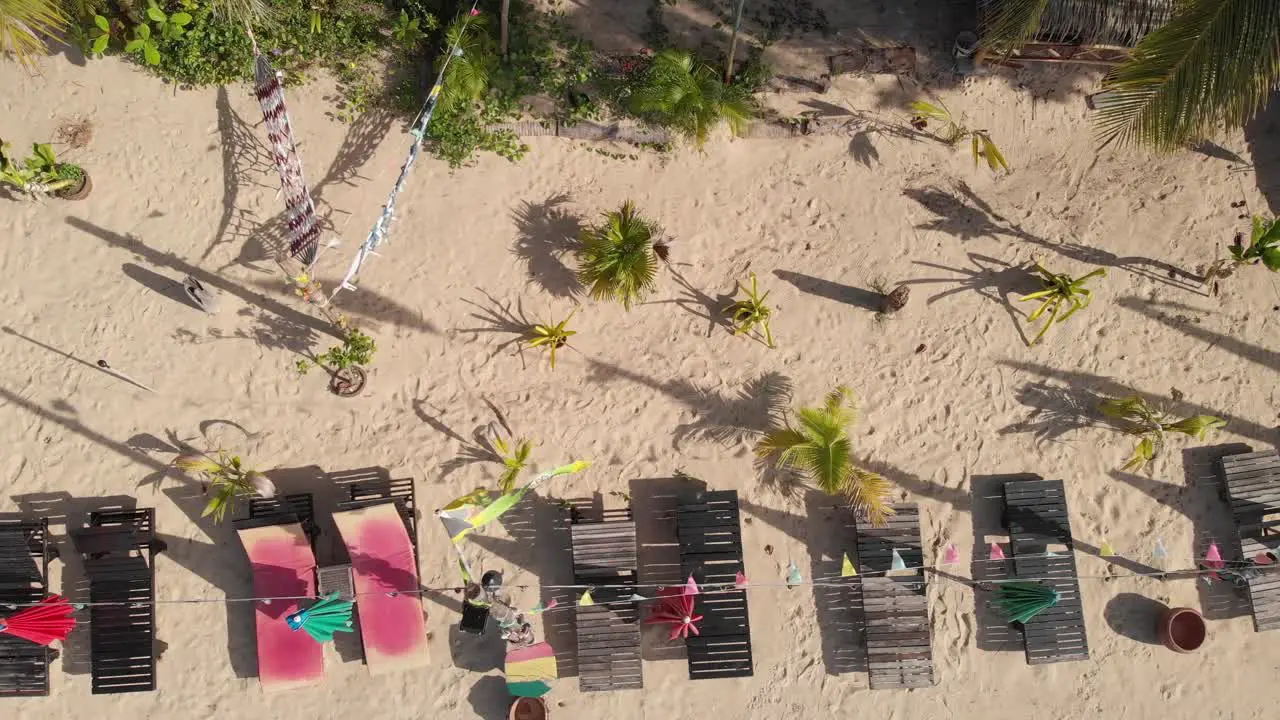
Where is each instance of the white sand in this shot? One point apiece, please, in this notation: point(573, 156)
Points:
point(641, 384)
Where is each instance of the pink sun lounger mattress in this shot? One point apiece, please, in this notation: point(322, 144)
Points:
point(283, 566)
point(392, 626)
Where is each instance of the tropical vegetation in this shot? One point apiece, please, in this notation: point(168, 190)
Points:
point(40, 173)
point(1263, 247)
point(952, 132)
point(1134, 417)
point(747, 314)
point(1060, 291)
point(1214, 64)
point(356, 350)
point(617, 259)
point(227, 478)
point(552, 336)
point(679, 92)
point(818, 447)
point(515, 457)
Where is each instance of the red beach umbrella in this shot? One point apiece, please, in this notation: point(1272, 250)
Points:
point(41, 624)
point(675, 607)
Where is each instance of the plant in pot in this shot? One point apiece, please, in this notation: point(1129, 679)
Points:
point(227, 477)
point(41, 174)
point(345, 363)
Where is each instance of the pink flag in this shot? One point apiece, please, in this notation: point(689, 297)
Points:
point(740, 581)
point(951, 556)
point(691, 587)
point(996, 552)
point(1213, 558)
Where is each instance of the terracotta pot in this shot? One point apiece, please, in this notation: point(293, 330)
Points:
point(77, 192)
point(1182, 629)
point(529, 709)
point(348, 382)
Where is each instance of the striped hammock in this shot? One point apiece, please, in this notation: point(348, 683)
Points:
point(302, 221)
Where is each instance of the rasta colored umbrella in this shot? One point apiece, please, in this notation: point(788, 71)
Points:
point(1022, 601)
point(328, 616)
point(676, 609)
point(41, 624)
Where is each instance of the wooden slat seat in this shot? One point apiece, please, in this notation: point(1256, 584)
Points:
point(710, 537)
point(118, 551)
point(1252, 483)
point(895, 607)
point(1038, 523)
point(604, 553)
point(24, 565)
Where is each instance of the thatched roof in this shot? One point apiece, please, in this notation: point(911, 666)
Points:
point(1096, 22)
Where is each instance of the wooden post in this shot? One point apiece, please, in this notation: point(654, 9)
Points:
point(733, 43)
point(506, 11)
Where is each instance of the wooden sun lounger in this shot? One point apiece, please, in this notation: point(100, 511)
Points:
point(1035, 513)
point(278, 537)
point(388, 607)
point(118, 549)
point(24, 572)
point(1252, 483)
point(604, 553)
point(710, 536)
point(899, 639)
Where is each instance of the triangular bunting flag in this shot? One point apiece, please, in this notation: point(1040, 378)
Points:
point(1213, 555)
point(846, 568)
point(637, 597)
point(793, 575)
point(996, 552)
point(690, 587)
point(740, 581)
point(1160, 553)
point(897, 562)
point(951, 556)
point(586, 599)
point(1050, 553)
point(1106, 550)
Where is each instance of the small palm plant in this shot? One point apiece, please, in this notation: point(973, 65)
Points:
point(227, 477)
point(617, 260)
point(1150, 426)
point(1264, 245)
point(515, 456)
point(1059, 291)
point(953, 132)
point(552, 337)
point(687, 95)
point(466, 78)
point(821, 449)
point(750, 312)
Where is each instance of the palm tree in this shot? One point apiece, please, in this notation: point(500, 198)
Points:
point(617, 259)
point(1216, 62)
point(467, 76)
point(820, 448)
point(688, 96)
point(24, 25)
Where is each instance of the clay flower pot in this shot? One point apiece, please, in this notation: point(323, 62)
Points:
point(348, 382)
point(529, 709)
point(78, 191)
point(1182, 630)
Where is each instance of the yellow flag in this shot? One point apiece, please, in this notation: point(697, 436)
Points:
point(1106, 550)
point(586, 599)
point(846, 567)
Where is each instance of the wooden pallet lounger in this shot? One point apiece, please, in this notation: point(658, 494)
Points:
point(118, 550)
point(24, 573)
point(1035, 513)
point(899, 639)
point(604, 554)
point(1252, 483)
point(710, 536)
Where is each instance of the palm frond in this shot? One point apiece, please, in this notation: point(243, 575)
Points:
point(826, 462)
point(25, 24)
point(779, 441)
point(466, 77)
point(1012, 22)
point(681, 93)
point(1215, 62)
point(869, 493)
point(616, 258)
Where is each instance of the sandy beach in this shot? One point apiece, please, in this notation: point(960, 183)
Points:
point(950, 394)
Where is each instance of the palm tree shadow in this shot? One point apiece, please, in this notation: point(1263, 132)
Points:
point(479, 448)
point(866, 299)
point(752, 411)
point(992, 279)
point(546, 233)
point(1268, 359)
point(1055, 410)
point(700, 305)
point(500, 318)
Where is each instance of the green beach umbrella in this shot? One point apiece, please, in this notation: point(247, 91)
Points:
point(1022, 601)
point(328, 616)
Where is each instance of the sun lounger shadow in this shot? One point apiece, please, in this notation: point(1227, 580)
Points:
point(992, 633)
point(837, 600)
